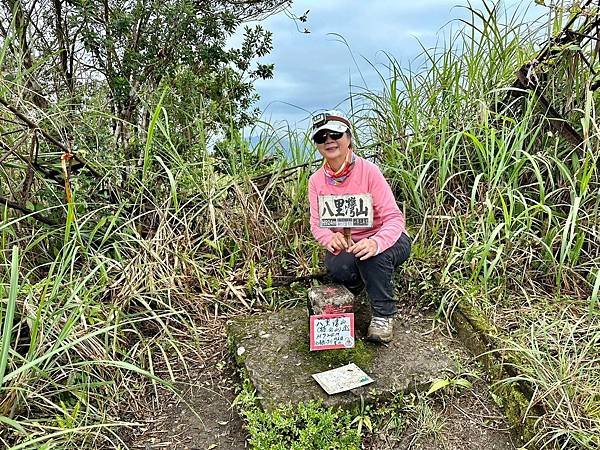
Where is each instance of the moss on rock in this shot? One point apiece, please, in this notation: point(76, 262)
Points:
point(481, 337)
point(361, 354)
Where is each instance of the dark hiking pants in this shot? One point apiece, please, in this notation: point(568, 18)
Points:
point(374, 273)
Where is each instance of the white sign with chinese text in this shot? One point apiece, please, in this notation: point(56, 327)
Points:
point(346, 211)
point(329, 331)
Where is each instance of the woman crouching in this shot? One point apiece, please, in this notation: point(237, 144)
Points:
point(366, 256)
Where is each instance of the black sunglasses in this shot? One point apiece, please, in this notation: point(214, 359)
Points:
point(321, 136)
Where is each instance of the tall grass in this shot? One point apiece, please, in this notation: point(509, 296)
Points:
point(509, 183)
point(89, 308)
point(195, 231)
point(76, 329)
point(559, 356)
point(509, 208)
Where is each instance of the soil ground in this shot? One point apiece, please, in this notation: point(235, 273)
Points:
point(202, 417)
point(465, 421)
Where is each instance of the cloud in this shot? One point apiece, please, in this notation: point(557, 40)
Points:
point(348, 41)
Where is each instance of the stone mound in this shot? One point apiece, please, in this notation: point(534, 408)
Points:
point(273, 349)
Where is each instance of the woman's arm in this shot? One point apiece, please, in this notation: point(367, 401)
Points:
point(393, 224)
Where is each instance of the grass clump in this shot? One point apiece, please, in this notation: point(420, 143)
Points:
point(407, 421)
point(559, 357)
point(307, 426)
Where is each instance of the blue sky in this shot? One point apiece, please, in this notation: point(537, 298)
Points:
point(314, 71)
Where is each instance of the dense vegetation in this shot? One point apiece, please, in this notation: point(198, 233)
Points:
point(134, 209)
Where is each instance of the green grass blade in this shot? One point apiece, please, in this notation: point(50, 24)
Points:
point(10, 313)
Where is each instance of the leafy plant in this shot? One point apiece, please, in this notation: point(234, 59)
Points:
point(362, 418)
point(450, 383)
point(305, 426)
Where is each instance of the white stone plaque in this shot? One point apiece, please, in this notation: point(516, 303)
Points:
point(342, 379)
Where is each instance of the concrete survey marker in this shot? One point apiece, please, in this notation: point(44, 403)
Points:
point(330, 299)
point(274, 351)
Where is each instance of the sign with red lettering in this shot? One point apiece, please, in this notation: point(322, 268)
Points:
point(329, 331)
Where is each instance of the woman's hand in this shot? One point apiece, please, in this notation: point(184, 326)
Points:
point(364, 249)
point(337, 243)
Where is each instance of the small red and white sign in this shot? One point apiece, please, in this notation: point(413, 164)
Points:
point(330, 331)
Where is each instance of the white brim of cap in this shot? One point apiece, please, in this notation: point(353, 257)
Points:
point(332, 125)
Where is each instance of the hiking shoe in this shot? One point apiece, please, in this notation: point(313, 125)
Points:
point(381, 329)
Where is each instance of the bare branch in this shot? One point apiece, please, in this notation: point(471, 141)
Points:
point(47, 136)
point(36, 215)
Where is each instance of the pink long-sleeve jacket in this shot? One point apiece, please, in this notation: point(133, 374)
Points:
point(365, 178)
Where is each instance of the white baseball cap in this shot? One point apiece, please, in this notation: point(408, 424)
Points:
point(332, 120)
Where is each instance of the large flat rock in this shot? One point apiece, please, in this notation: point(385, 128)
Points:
point(274, 350)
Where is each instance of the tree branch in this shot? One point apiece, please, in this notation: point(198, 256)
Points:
point(36, 215)
point(47, 136)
